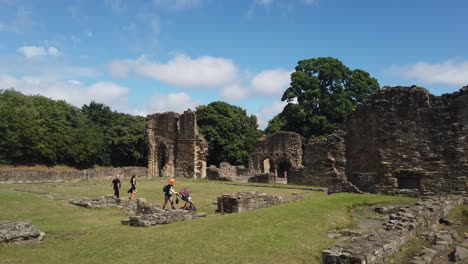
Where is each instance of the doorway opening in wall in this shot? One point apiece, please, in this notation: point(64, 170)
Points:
point(284, 167)
point(409, 180)
point(163, 156)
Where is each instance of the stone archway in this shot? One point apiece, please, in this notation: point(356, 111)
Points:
point(284, 168)
point(279, 149)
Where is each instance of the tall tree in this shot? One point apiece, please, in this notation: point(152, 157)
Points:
point(230, 133)
point(323, 92)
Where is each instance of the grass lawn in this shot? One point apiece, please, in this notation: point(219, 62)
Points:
point(289, 233)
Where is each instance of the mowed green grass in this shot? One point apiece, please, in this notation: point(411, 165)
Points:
point(288, 233)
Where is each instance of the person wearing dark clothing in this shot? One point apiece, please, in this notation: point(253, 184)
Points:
point(133, 189)
point(116, 183)
point(168, 192)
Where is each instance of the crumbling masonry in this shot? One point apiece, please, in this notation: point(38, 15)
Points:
point(279, 152)
point(401, 139)
point(175, 146)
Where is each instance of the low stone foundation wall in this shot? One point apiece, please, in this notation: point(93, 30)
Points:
point(148, 214)
point(104, 201)
point(36, 176)
point(403, 225)
point(17, 231)
point(245, 201)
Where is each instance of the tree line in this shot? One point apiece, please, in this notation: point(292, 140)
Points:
point(38, 130)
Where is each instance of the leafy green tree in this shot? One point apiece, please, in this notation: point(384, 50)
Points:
point(323, 92)
point(123, 136)
point(230, 133)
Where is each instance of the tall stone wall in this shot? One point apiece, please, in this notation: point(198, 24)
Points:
point(324, 165)
point(37, 176)
point(404, 138)
point(280, 146)
point(175, 146)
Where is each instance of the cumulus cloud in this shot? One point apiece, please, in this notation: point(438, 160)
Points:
point(176, 102)
point(177, 5)
point(451, 72)
point(36, 51)
point(234, 92)
point(265, 114)
point(182, 71)
point(271, 82)
point(72, 91)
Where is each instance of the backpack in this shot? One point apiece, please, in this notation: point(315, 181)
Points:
point(166, 188)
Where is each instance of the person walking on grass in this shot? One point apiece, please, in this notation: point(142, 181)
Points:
point(116, 183)
point(133, 189)
point(168, 192)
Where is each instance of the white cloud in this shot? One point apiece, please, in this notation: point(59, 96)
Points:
point(32, 51)
point(177, 5)
point(271, 82)
point(119, 68)
point(234, 92)
point(53, 51)
point(37, 51)
point(183, 71)
point(177, 102)
point(72, 91)
point(451, 72)
point(265, 114)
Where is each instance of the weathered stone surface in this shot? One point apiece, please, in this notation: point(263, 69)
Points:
point(175, 146)
point(459, 254)
point(36, 176)
point(148, 214)
point(400, 227)
point(228, 172)
point(245, 201)
point(271, 150)
point(402, 141)
point(15, 231)
point(103, 201)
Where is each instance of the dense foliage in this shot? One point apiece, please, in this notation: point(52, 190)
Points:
point(323, 92)
point(230, 133)
point(39, 130)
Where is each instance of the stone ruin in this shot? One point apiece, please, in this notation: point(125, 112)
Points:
point(175, 146)
point(403, 140)
point(277, 154)
point(103, 201)
point(228, 172)
point(401, 225)
point(19, 231)
point(148, 214)
point(246, 201)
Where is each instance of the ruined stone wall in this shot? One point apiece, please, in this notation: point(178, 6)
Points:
point(175, 146)
point(276, 147)
point(228, 172)
point(37, 176)
point(324, 165)
point(399, 228)
point(404, 138)
point(246, 201)
point(161, 134)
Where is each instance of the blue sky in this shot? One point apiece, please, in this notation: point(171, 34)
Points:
point(142, 57)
